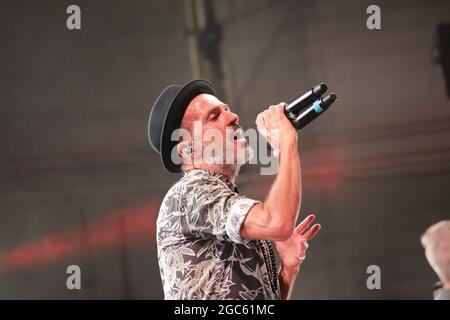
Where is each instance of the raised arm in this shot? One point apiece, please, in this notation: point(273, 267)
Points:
point(274, 219)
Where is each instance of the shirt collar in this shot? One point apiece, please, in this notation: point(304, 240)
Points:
point(219, 176)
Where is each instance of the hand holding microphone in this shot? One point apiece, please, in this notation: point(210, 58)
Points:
point(276, 128)
point(279, 123)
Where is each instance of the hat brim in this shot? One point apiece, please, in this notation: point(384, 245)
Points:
point(173, 119)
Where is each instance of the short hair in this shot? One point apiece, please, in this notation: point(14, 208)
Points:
point(436, 241)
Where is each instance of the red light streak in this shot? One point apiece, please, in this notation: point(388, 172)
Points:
point(134, 226)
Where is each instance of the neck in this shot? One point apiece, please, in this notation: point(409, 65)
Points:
point(228, 171)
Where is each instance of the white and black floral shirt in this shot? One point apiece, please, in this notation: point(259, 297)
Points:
point(200, 251)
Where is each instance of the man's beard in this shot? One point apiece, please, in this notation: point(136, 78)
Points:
point(228, 158)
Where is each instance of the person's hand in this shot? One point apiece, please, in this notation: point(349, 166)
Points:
point(292, 251)
point(276, 128)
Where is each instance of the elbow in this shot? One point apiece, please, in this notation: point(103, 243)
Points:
point(282, 231)
point(285, 233)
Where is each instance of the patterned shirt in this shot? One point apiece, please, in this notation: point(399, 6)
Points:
point(201, 253)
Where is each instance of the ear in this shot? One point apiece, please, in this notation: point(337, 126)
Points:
point(182, 148)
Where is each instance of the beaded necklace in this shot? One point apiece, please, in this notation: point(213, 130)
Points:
point(271, 265)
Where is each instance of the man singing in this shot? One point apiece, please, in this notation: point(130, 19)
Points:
point(214, 243)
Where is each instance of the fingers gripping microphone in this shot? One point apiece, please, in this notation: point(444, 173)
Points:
point(309, 106)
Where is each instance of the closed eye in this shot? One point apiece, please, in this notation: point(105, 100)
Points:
point(213, 116)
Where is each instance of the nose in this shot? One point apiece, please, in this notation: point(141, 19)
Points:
point(234, 118)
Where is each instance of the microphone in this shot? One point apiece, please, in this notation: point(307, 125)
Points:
point(306, 99)
point(317, 108)
point(303, 110)
point(312, 99)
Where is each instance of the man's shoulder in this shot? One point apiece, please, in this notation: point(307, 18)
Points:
point(197, 179)
point(189, 189)
point(191, 182)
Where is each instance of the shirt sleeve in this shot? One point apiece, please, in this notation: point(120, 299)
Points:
point(216, 212)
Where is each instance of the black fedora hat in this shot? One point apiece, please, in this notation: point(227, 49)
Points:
point(166, 116)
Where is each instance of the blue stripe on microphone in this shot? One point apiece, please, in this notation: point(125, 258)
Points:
point(317, 107)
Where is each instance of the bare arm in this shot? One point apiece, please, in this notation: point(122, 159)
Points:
point(274, 219)
point(286, 279)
